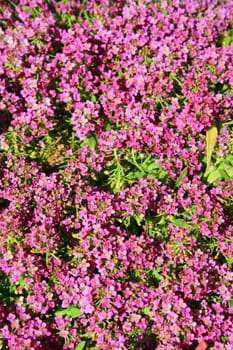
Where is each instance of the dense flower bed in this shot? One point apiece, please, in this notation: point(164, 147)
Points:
point(116, 226)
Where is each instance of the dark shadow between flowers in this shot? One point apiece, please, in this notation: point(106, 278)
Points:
point(5, 121)
point(4, 203)
point(146, 342)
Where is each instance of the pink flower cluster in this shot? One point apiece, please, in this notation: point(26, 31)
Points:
point(96, 245)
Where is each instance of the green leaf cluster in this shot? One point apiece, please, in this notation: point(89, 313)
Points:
point(72, 311)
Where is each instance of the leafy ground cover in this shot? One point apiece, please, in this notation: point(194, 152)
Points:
point(116, 189)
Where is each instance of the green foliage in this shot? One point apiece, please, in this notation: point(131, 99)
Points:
point(125, 169)
point(65, 1)
point(226, 38)
point(153, 278)
point(156, 225)
point(211, 140)
point(221, 170)
point(87, 94)
point(12, 67)
point(182, 175)
point(3, 23)
point(146, 310)
point(180, 222)
point(7, 289)
point(65, 20)
point(35, 11)
point(81, 346)
point(72, 311)
point(132, 223)
point(91, 141)
point(14, 141)
point(88, 15)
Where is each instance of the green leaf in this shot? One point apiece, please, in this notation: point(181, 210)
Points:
point(214, 176)
point(146, 310)
point(70, 311)
point(12, 66)
point(162, 174)
point(91, 140)
point(138, 218)
point(81, 345)
point(35, 11)
point(211, 140)
point(156, 274)
point(229, 171)
point(221, 165)
point(183, 174)
point(135, 175)
point(227, 38)
point(3, 22)
point(153, 166)
point(180, 223)
point(93, 98)
point(222, 172)
point(224, 339)
point(22, 282)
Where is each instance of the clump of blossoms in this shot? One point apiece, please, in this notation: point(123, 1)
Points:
point(112, 233)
